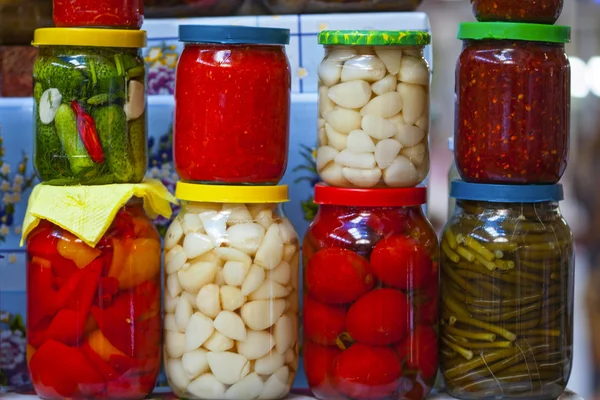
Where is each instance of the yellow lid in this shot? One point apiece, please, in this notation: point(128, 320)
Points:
point(231, 194)
point(89, 37)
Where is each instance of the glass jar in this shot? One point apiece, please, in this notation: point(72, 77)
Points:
point(370, 262)
point(190, 8)
point(373, 128)
point(93, 313)
point(231, 295)
point(229, 72)
point(535, 11)
point(335, 6)
point(452, 175)
point(90, 106)
point(119, 14)
point(513, 95)
point(507, 293)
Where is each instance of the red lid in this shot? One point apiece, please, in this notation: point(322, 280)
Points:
point(400, 197)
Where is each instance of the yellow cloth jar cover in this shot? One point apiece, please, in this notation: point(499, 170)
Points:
point(88, 211)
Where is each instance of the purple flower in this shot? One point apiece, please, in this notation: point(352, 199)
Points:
point(161, 80)
point(12, 349)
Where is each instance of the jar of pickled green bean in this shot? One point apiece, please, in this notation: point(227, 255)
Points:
point(507, 289)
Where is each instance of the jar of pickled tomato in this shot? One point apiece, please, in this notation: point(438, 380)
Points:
point(93, 313)
point(232, 105)
point(507, 287)
point(534, 11)
point(373, 109)
point(513, 97)
point(231, 294)
point(120, 14)
point(370, 262)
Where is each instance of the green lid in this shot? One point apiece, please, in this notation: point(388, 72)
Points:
point(375, 38)
point(514, 31)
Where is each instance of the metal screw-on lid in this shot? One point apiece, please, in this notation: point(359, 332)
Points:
point(461, 190)
point(229, 34)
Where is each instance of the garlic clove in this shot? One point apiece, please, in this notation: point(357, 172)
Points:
point(363, 178)
point(364, 67)
point(333, 175)
point(208, 301)
point(257, 344)
point(136, 100)
point(262, 314)
point(282, 274)
point(176, 373)
point(270, 251)
point(353, 94)
point(218, 342)
point(358, 142)
point(391, 57)
point(400, 173)
point(215, 225)
point(173, 235)
point(197, 275)
point(228, 367)
point(231, 298)
point(378, 127)
point(207, 386)
point(276, 385)
point(347, 158)
point(329, 72)
point(335, 139)
point(254, 278)
point(387, 84)
point(183, 313)
point(343, 120)
point(231, 325)
point(198, 330)
point(386, 151)
point(415, 101)
point(195, 244)
point(269, 364)
point(234, 272)
point(385, 106)
point(414, 70)
point(248, 388)
point(195, 363)
point(50, 100)
point(174, 344)
point(284, 334)
point(246, 237)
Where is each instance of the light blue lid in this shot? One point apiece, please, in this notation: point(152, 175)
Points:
point(230, 34)
point(461, 190)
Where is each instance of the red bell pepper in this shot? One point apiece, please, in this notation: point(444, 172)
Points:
point(61, 368)
point(36, 333)
point(107, 372)
point(107, 289)
point(67, 327)
point(88, 133)
point(41, 290)
point(42, 241)
point(83, 295)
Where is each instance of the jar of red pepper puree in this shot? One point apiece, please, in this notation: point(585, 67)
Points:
point(93, 313)
point(512, 103)
point(122, 14)
point(370, 264)
point(536, 11)
point(232, 105)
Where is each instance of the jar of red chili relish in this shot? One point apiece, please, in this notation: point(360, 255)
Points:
point(232, 105)
point(513, 103)
point(370, 262)
point(122, 14)
point(536, 11)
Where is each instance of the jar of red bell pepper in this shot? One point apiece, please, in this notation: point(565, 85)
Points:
point(232, 105)
point(93, 313)
point(513, 94)
point(122, 14)
point(536, 11)
point(370, 261)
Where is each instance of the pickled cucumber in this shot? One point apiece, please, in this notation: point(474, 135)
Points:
point(52, 72)
point(50, 158)
point(139, 147)
point(111, 125)
point(66, 129)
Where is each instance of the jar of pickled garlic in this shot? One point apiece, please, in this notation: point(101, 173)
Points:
point(370, 262)
point(535, 11)
point(513, 96)
point(373, 109)
point(240, 77)
point(89, 106)
point(119, 14)
point(231, 295)
point(507, 290)
point(93, 313)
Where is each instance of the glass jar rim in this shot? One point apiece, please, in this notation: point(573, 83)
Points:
point(231, 194)
point(89, 37)
point(461, 190)
point(229, 34)
point(375, 38)
point(514, 31)
point(392, 197)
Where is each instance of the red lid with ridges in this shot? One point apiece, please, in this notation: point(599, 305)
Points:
point(397, 197)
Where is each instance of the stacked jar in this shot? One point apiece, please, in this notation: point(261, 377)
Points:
point(231, 256)
point(370, 257)
point(506, 316)
point(93, 253)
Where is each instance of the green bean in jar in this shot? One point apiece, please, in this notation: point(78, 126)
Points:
point(507, 282)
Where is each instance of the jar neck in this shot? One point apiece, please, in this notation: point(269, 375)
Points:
point(326, 210)
point(504, 43)
point(481, 209)
point(415, 51)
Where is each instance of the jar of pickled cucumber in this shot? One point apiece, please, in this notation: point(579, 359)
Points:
point(90, 106)
point(507, 284)
point(370, 302)
point(373, 129)
point(93, 313)
point(231, 295)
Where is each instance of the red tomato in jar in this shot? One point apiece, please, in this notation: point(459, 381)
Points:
point(328, 230)
point(323, 323)
point(426, 312)
point(380, 317)
point(367, 372)
point(401, 262)
point(419, 351)
point(387, 221)
point(338, 276)
point(318, 366)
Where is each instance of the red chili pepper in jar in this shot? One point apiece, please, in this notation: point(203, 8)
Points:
point(88, 133)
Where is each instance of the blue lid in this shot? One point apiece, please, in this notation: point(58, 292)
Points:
point(461, 190)
point(229, 34)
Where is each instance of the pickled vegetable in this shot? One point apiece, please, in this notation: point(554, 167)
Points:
point(125, 14)
point(370, 295)
point(373, 109)
point(93, 314)
point(231, 302)
point(93, 99)
point(535, 11)
point(507, 300)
